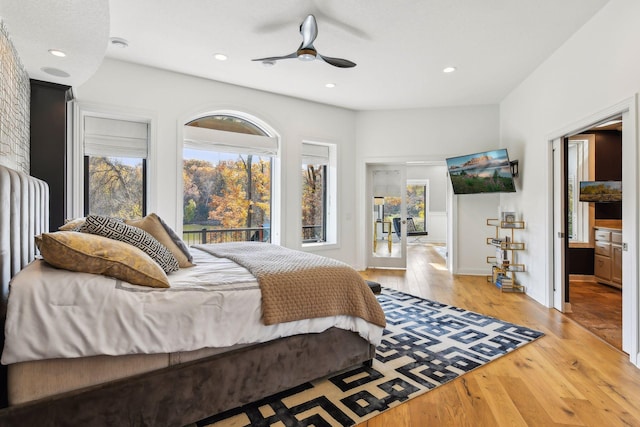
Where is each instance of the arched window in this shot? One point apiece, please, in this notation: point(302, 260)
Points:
point(227, 180)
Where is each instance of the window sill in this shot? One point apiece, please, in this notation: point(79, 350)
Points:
point(318, 246)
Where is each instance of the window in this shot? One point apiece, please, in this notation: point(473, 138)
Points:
point(417, 201)
point(115, 168)
point(227, 180)
point(318, 176)
point(578, 170)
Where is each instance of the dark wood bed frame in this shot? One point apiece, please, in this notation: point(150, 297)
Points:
point(172, 396)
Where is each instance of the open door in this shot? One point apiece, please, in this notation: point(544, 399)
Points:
point(387, 246)
point(559, 220)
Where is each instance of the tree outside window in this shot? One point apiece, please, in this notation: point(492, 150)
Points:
point(115, 186)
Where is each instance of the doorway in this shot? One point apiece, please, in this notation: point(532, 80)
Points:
point(566, 256)
point(594, 229)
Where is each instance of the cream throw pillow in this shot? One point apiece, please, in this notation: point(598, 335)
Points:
point(153, 225)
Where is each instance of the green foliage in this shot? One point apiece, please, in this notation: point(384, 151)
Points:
point(230, 194)
point(189, 211)
point(115, 188)
point(464, 184)
point(312, 195)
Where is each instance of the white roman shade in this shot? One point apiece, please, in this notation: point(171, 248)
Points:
point(198, 138)
point(386, 183)
point(315, 154)
point(115, 138)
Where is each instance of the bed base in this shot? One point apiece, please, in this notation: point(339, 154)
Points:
point(185, 393)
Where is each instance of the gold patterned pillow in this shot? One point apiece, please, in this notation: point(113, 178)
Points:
point(90, 253)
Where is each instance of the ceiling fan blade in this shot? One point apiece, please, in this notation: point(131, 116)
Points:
point(337, 62)
point(275, 58)
point(309, 31)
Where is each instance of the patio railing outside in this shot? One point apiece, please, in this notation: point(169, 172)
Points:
point(206, 235)
point(256, 234)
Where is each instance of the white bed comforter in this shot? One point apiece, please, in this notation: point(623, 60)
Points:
point(56, 313)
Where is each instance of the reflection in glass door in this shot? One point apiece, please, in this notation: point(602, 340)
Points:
point(388, 213)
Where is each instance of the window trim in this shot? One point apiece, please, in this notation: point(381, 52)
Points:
point(423, 183)
point(86, 186)
point(331, 196)
point(276, 167)
point(585, 152)
point(75, 151)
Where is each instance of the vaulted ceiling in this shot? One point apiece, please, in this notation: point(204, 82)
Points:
point(400, 47)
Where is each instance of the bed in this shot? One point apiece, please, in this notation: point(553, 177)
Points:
point(179, 377)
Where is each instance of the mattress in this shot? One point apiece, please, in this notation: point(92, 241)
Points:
point(57, 314)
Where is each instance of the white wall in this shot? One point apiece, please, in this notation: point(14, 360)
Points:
point(594, 70)
point(438, 182)
point(433, 134)
point(173, 98)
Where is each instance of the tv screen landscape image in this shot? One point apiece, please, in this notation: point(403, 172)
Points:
point(486, 172)
point(601, 191)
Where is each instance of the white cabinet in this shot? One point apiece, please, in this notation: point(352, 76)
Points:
point(608, 256)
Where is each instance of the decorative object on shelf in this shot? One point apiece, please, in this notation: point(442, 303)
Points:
point(508, 216)
point(503, 265)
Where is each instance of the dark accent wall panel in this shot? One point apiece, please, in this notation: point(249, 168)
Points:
point(608, 168)
point(580, 261)
point(48, 143)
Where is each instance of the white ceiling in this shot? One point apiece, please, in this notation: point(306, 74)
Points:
point(400, 46)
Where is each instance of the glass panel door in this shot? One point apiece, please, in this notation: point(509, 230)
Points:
point(387, 219)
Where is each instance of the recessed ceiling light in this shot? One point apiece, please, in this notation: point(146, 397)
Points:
point(220, 56)
point(449, 70)
point(56, 52)
point(330, 85)
point(55, 72)
point(119, 42)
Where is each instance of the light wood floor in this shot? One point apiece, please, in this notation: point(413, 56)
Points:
point(569, 377)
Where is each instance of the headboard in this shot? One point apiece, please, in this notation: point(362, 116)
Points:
point(24, 213)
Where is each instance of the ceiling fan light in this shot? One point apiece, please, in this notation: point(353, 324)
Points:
point(306, 54)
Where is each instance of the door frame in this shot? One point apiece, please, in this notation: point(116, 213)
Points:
point(559, 230)
point(630, 214)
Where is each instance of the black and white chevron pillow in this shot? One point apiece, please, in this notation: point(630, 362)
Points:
point(116, 229)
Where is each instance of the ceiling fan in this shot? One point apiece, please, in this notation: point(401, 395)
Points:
point(306, 51)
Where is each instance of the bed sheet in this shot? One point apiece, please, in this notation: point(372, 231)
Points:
point(55, 313)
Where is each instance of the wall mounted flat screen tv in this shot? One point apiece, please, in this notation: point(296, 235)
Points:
point(486, 172)
point(600, 191)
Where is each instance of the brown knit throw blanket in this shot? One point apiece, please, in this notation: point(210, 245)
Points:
point(298, 285)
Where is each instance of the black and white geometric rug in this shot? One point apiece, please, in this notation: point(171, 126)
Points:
point(425, 344)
